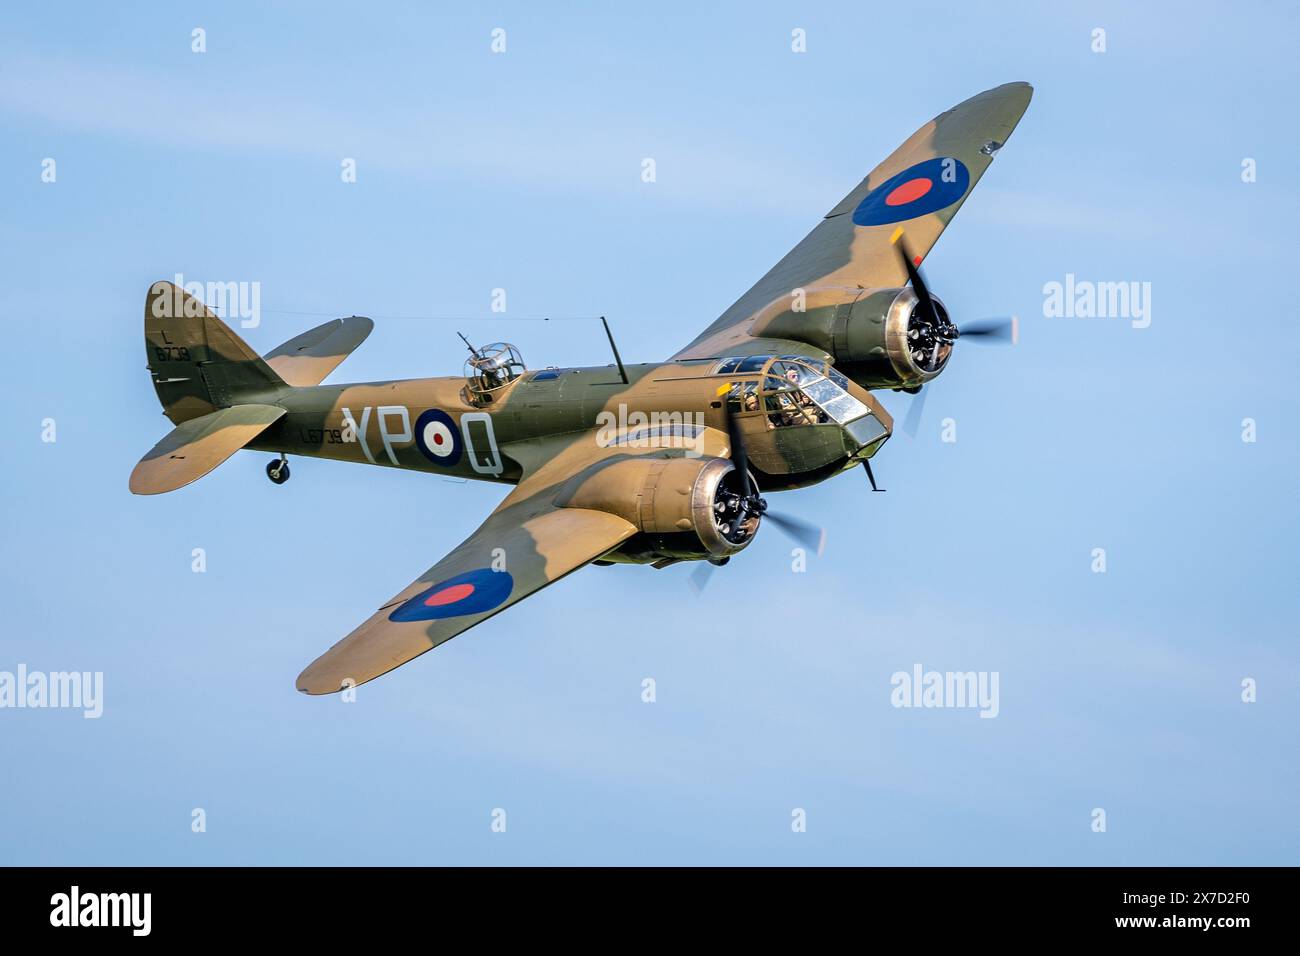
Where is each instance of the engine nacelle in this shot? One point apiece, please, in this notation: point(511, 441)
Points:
point(885, 341)
point(879, 339)
point(681, 507)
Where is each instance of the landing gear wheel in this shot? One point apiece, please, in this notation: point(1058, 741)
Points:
point(278, 471)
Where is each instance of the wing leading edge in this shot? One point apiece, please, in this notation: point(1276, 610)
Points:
point(525, 544)
point(508, 558)
point(919, 187)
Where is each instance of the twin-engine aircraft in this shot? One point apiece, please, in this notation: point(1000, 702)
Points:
point(638, 464)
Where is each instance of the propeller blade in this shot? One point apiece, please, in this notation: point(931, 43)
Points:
point(700, 576)
point(799, 531)
point(918, 284)
point(913, 420)
point(739, 458)
point(740, 461)
point(994, 331)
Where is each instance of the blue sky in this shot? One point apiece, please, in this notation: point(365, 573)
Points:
point(522, 171)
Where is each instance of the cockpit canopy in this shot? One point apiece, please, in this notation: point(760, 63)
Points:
point(791, 389)
point(490, 368)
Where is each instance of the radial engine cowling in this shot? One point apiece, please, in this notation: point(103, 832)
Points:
point(683, 508)
point(884, 340)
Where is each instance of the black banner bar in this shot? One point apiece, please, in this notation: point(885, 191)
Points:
point(373, 904)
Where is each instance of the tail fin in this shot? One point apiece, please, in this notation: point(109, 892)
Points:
point(199, 364)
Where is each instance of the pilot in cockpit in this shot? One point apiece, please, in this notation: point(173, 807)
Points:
point(798, 408)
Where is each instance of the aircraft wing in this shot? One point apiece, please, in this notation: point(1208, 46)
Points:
point(527, 543)
point(919, 188)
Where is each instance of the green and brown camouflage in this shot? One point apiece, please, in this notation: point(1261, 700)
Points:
point(647, 463)
point(842, 259)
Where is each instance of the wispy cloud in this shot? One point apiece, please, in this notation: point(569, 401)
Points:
point(558, 151)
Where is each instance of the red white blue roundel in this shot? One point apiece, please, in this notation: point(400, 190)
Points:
point(438, 437)
point(470, 593)
point(924, 188)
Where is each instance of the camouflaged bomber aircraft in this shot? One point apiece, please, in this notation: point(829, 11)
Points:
point(641, 464)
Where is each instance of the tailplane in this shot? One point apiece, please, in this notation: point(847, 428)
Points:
point(194, 448)
point(307, 358)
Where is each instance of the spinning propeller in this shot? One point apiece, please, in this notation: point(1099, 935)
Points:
point(934, 332)
point(937, 330)
point(741, 504)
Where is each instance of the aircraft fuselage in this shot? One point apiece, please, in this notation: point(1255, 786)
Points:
point(432, 424)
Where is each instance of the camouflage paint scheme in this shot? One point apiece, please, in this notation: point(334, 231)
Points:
point(581, 491)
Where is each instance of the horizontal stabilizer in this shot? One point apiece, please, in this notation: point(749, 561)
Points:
point(191, 450)
point(306, 359)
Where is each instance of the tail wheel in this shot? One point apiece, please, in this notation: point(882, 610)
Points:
point(278, 470)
